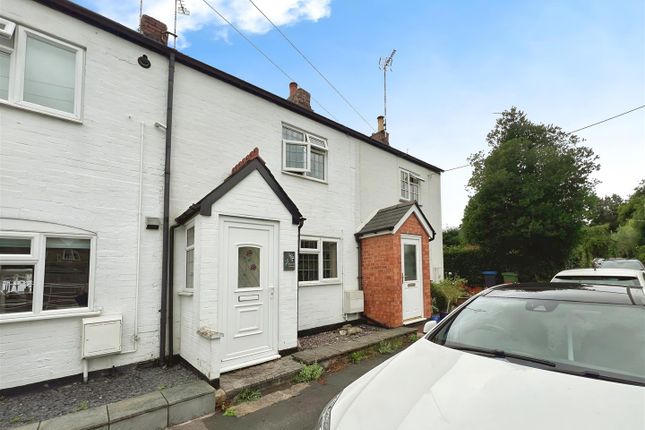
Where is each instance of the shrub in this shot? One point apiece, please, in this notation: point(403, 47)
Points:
point(446, 292)
point(230, 412)
point(357, 357)
point(311, 372)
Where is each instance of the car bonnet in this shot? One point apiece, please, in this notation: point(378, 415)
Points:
point(431, 386)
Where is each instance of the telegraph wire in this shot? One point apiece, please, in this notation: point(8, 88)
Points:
point(608, 119)
point(257, 48)
point(313, 66)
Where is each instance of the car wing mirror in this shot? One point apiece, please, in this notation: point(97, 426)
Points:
point(429, 326)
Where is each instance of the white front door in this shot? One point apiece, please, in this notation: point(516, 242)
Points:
point(412, 273)
point(249, 264)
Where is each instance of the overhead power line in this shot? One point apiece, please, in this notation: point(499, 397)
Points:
point(608, 119)
point(257, 48)
point(293, 45)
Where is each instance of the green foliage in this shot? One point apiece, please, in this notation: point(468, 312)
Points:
point(230, 412)
point(446, 292)
point(452, 237)
point(83, 405)
point(357, 356)
point(413, 337)
point(248, 395)
point(532, 190)
point(311, 372)
point(466, 261)
point(605, 211)
point(389, 346)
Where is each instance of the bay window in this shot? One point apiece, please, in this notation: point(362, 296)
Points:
point(304, 154)
point(318, 260)
point(40, 72)
point(41, 273)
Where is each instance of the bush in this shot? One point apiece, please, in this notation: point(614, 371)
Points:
point(467, 261)
point(446, 292)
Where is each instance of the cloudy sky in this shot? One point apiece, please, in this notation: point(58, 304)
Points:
point(569, 63)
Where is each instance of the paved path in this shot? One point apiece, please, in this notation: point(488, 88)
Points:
point(297, 413)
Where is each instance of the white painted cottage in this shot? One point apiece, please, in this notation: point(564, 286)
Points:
point(154, 206)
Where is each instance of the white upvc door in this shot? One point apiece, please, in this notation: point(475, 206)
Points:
point(412, 275)
point(249, 264)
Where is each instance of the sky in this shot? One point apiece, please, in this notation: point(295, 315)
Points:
point(568, 63)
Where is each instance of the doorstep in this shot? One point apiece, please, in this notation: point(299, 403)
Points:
point(156, 410)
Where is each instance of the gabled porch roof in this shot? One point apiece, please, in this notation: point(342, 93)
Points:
point(390, 219)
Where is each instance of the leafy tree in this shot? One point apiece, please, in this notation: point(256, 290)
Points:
point(452, 237)
point(605, 211)
point(531, 192)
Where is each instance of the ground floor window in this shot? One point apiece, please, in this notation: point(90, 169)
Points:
point(40, 272)
point(318, 260)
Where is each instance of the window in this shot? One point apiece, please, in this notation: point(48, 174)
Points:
point(190, 257)
point(410, 186)
point(39, 72)
point(41, 273)
point(304, 154)
point(248, 267)
point(318, 260)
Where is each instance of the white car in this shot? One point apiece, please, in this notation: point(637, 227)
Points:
point(626, 277)
point(521, 356)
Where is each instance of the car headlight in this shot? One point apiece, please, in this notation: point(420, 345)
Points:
point(324, 421)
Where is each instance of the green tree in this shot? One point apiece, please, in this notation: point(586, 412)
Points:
point(452, 237)
point(531, 192)
point(605, 211)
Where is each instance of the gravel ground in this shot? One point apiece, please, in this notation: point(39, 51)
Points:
point(332, 337)
point(48, 401)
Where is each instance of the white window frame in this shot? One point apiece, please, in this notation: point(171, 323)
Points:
point(9, 27)
point(37, 259)
point(413, 181)
point(319, 252)
point(186, 249)
point(17, 58)
point(311, 143)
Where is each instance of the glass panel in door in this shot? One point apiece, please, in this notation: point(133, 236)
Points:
point(409, 262)
point(248, 267)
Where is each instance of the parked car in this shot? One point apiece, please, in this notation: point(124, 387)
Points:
point(619, 263)
point(517, 356)
point(626, 277)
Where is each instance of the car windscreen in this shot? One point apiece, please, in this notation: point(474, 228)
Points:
point(625, 281)
point(576, 337)
point(622, 264)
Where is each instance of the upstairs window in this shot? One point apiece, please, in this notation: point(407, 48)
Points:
point(40, 72)
point(304, 153)
point(410, 184)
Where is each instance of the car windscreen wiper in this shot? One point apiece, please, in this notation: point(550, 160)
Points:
point(593, 374)
point(498, 353)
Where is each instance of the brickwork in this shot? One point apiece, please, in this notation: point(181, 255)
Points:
point(381, 271)
point(154, 29)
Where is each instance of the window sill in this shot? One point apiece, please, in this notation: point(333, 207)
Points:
point(320, 181)
point(320, 283)
point(43, 111)
point(185, 293)
point(50, 316)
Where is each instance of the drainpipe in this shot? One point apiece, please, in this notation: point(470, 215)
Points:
point(360, 269)
point(171, 301)
point(166, 212)
point(301, 222)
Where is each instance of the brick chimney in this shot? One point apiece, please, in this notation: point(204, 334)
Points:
point(381, 135)
point(299, 96)
point(154, 29)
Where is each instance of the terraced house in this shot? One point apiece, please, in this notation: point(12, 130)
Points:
point(152, 205)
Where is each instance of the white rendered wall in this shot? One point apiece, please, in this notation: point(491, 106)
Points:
point(380, 184)
point(87, 176)
point(216, 125)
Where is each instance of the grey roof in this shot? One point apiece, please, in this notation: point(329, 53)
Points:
point(387, 218)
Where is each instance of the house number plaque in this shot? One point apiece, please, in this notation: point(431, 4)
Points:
point(289, 260)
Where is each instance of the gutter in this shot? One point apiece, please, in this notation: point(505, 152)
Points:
point(163, 320)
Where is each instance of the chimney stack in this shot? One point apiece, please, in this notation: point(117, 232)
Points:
point(381, 135)
point(154, 29)
point(299, 96)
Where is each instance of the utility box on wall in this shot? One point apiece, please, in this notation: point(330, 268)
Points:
point(353, 302)
point(101, 335)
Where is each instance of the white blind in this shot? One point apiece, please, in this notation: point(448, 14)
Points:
point(50, 75)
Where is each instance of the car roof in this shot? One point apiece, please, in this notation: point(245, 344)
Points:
point(601, 272)
point(575, 292)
